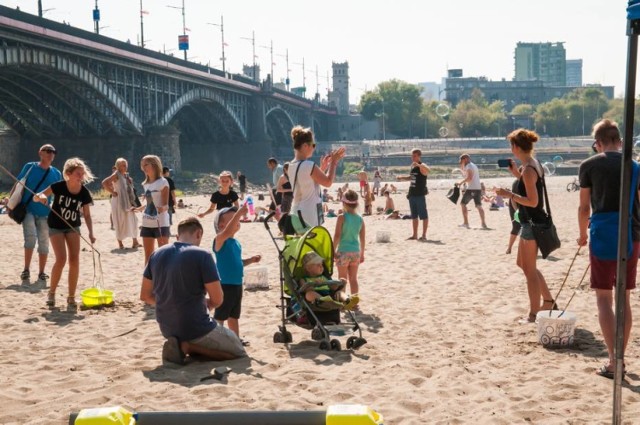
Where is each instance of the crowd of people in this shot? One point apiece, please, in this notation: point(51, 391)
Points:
point(185, 283)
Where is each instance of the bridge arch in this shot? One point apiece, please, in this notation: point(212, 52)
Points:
point(83, 94)
point(278, 125)
point(201, 94)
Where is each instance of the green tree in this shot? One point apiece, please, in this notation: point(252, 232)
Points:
point(401, 104)
point(476, 117)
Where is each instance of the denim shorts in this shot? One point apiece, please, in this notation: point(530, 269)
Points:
point(35, 227)
point(63, 231)
point(526, 232)
point(418, 207)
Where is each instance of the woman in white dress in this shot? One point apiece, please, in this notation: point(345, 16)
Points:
point(306, 178)
point(120, 185)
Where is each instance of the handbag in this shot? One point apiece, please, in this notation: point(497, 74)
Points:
point(545, 232)
point(18, 192)
point(18, 213)
point(454, 194)
point(293, 224)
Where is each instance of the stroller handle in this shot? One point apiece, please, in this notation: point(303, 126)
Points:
point(267, 218)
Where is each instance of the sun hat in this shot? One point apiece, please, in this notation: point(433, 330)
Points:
point(312, 257)
point(220, 214)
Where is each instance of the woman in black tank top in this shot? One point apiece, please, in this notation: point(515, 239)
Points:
point(528, 200)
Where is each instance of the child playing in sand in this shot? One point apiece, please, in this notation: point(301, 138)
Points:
point(230, 265)
point(70, 199)
point(349, 240)
point(224, 197)
point(318, 288)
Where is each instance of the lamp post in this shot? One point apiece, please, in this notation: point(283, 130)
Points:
point(141, 26)
point(304, 78)
point(270, 47)
point(286, 56)
point(40, 8)
point(96, 19)
point(253, 45)
point(221, 25)
point(184, 26)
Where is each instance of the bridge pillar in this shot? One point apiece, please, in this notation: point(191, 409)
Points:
point(254, 162)
point(164, 142)
point(10, 155)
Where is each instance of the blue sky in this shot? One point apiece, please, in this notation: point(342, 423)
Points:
point(411, 40)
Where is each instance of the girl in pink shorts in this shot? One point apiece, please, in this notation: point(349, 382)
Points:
point(349, 240)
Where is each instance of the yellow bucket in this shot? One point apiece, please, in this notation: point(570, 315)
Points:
point(116, 415)
point(352, 414)
point(93, 297)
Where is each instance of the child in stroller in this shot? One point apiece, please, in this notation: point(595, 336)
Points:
point(319, 290)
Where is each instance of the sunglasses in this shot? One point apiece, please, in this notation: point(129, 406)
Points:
point(48, 150)
point(593, 147)
point(312, 144)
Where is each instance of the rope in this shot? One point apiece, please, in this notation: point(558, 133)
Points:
point(575, 290)
point(565, 278)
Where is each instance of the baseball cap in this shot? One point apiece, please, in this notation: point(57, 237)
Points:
point(312, 257)
point(220, 214)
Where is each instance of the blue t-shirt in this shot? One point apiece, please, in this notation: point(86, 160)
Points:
point(35, 175)
point(350, 235)
point(179, 272)
point(229, 260)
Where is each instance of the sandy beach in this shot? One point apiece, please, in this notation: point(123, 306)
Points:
point(441, 320)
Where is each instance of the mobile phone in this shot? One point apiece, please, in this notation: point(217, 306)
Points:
point(504, 163)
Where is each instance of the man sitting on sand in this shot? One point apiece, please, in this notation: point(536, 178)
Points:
point(176, 280)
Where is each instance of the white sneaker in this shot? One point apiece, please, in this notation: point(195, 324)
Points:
point(466, 226)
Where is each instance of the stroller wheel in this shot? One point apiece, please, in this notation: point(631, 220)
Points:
point(359, 342)
point(317, 334)
point(350, 341)
point(335, 345)
point(287, 337)
point(324, 345)
point(279, 337)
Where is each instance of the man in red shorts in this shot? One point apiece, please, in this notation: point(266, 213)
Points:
point(600, 196)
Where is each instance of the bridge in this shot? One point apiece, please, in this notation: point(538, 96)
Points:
point(99, 98)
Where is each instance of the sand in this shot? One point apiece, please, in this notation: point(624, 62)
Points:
point(441, 320)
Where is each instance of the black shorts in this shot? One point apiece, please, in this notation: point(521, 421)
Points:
point(155, 232)
point(231, 303)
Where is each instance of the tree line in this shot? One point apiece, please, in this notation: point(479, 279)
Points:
point(407, 115)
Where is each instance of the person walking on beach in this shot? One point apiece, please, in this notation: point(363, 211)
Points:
point(474, 190)
point(599, 178)
point(181, 281)
point(71, 200)
point(530, 204)
point(40, 174)
point(120, 186)
point(417, 193)
point(155, 216)
point(308, 177)
point(224, 197)
point(242, 181)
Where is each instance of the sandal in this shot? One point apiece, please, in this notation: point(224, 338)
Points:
point(554, 304)
point(25, 275)
point(51, 299)
point(531, 318)
point(609, 374)
point(71, 304)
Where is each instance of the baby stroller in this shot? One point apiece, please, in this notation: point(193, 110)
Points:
point(324, 322)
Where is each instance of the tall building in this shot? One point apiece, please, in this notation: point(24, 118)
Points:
point(251, 71)
point(574, 72)
point(339, 96)
point(544, 62)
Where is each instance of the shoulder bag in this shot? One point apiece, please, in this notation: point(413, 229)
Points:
point(545, 232)
point(20, 211)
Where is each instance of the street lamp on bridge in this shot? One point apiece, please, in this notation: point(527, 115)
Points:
point(253, 46)
point(270, 47)
point(286, 56)
point(183, 41)
point(221, 25)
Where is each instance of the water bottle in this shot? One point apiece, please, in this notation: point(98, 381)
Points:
point(250, 204)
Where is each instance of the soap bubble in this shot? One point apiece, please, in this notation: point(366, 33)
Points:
point(549, 168)
point(461, 125)
point(456, 173)
point(442, 110)
point(483, 160)
point(443, 132)
point(557, 160)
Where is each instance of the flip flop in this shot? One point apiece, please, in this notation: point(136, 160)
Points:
point(609, 374)
point(411, 238)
